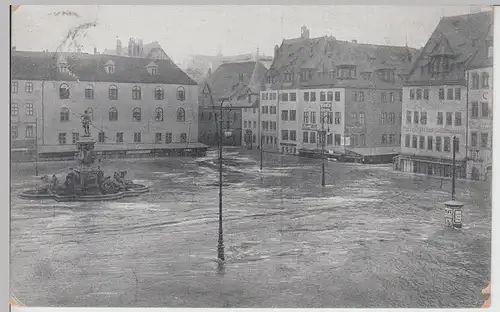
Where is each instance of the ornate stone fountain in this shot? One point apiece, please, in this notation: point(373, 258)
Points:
point(87, 181)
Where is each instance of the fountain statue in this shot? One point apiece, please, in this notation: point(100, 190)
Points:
point(86, 182)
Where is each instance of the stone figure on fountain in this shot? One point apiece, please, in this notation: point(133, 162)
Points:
point(86, 122)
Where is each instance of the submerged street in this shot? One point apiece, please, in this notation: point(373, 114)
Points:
point(372, 238)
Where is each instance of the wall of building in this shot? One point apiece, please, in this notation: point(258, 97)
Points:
point(251, 121)
point(22, 116)
point(288, 143)
point(381, 117)
point(209, 129)
point(479, 156)
point(432, 129)
point(270, 138)
point(101, 104)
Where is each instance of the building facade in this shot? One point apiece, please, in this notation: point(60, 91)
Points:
point(345, 94)
point(437, 98)
point(136, 105)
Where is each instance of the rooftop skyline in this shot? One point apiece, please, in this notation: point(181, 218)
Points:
point(231, 30)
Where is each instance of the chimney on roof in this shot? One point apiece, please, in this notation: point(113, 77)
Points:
point(354, 41)
point(118, 46)
point(304, 32)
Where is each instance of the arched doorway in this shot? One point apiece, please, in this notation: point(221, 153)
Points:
point(475, 174)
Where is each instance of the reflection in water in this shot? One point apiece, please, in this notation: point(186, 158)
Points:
point(371, 238)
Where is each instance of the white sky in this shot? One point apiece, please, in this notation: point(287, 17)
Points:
point(185, 30)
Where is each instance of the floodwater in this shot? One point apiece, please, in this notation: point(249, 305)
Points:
point(372, 238)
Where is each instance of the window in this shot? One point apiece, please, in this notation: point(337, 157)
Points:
point(168, 137)
point(414, 141)
point(449, 119)
point(181, 115)
point(29, 132)
point(362, 139)
point(458, 93)
point(313, 117)
point(423, 118)
point(154, 71)
point(419, 94)
point(392, 118)
point(449, 94)
point(136, 114)
point(392, 138)
point(384, 138)
point(407, 140)
point(113, 92)
point(415, 118)
point(384, 97)
point(312, 137)
point(183, 138)
point(484, 109)
point(293, 96)
point(313, 96)
point(306, 96)
point(293, 115)
point(330, 96)
point(254, 124)
point(284, 115)
point(484, 140)
point(89, 92)
point(113, 114)
point(329, 118)
point(446, 144)
point(119, 137)
point(337, 139)
point(284, 134)
point(421, 142)
point(354, 140)
point(284, 97)
point(473, 139)
point(159, 114)
point(306, 117)
point(485, 77)
point(14, 132)
point(28, 87)
point(441, 94)
point(64, 91)
point(438, 144)
point(62, 138)
point(354, 96)
point(440, 118)
point(322, 96)
point(412, 94)
point(362, 96)
point(305, 137)
point(354, 118)
point(29, 109)
point(457, 145)
point(475, 81)
point(136, 93)
point(64, 114)
point(137, 137)
point(337, 96)
point(158, 138)
point(102, 137)
point(159, 94)
point(15, 86)
point(181, 94)
point(426, 94)
point(293, 135)
point(408, 117)
point(264, 109)
point(400, 117)
point(429, 143)
point(14, 109)
point(458, 119)
point(475, 109)
point(263, 125)
point(337, 118)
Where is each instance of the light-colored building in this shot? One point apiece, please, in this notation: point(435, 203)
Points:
point(480, 112)
point(435, 108)
point(349, 90)
point(137, 105)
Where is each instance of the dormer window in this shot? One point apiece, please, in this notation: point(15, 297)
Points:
point(110, 67)
point(387, 75)
point(62, 64)
point(152, 69)
point(240, 77)
point(366, 75)
point(346, 72)
point(288, 76)
point(440, 64)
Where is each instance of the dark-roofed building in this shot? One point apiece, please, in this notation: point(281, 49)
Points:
point(137, 105)
point(435, 96)
point(237, 87)
point(349, 89)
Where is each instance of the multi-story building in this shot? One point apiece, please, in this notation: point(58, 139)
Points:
point(349, 90)
point(236, 86)
point(435, 97)
point(137, 105)
point(480, 112)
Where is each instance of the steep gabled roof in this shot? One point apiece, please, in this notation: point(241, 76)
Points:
point(461, 36)
point(91, 67)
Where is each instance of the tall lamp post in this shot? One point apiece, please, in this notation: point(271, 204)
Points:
point(323, 115)
point(453, 208)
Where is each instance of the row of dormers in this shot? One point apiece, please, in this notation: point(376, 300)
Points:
point(109, 66)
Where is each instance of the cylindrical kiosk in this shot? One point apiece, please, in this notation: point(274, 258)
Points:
point(453, 214)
